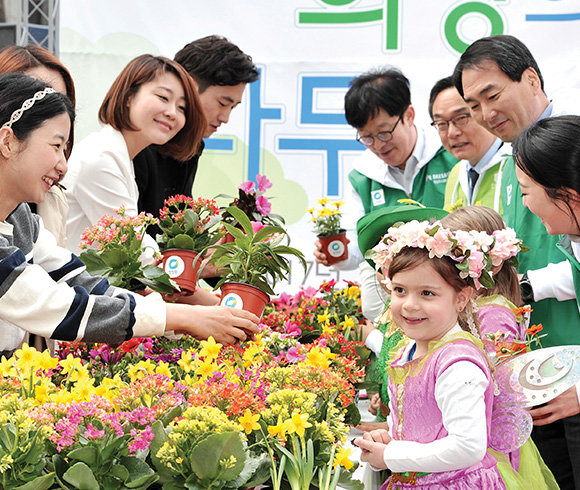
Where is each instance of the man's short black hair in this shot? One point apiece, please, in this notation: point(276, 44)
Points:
point(213, 60)
point(510, 55)
point(439, 87)
point(384, 88)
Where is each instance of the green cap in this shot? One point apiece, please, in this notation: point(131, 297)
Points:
point(372, 226)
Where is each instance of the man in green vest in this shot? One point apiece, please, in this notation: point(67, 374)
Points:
point(474, 179)
point(501, 83)
point(401, 160)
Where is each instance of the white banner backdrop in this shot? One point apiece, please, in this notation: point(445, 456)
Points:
point(291, 125)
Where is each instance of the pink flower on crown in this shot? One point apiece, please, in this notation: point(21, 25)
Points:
point(263, 183)
point(439, 244)
point(247, 186)
point(482, 239)
point(506, 245)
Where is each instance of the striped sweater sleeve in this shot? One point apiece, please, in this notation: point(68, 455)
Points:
point(45, 290)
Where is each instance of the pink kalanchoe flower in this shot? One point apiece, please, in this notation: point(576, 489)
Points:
point(263, 205)
point(263, 183)
point(247, 186)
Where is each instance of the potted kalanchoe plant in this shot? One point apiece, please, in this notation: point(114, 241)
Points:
point(112, 248)
point(252, 201)
point(253, 262)
point(327, 227)
point(188, 226)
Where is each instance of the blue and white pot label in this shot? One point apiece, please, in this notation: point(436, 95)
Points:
point(232, 300)
point(174, 266)
point(336, 248)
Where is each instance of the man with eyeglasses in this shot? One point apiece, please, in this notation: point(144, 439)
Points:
point(401, 160)
point(474, 178)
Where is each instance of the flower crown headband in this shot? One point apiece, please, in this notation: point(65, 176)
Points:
point(27, 104)
point(474, 252)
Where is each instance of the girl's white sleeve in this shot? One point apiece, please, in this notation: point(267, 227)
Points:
point(459, 393)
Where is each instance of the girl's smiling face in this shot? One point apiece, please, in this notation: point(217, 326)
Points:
point(157, 111)
point(424, 305)
point(35, 164)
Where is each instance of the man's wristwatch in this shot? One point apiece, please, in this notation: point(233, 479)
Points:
point(526, 289)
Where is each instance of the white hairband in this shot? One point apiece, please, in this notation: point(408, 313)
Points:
point(27, 104)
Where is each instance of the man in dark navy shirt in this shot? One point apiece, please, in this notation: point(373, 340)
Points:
point(221, 72)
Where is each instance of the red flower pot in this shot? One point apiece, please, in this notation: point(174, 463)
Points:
point(335, 247)
point(183, 267)
point(244, 297)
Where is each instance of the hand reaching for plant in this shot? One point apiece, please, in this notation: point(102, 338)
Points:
point(226, 325)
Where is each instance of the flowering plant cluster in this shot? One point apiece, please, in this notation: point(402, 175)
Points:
point(252, 201)
point(475, 253)
point(112, 248)
point(327, 219)
point(504, 349)
point(313, 312)
point(188, 223)
point(187, 414)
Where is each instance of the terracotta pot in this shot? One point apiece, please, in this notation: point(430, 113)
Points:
point(335, 247)
point(183, 267)
point(229, 238)
point(244, 297)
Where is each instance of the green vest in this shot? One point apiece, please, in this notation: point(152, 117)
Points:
point(428, 185)
point(560, 319)
point(486, 191)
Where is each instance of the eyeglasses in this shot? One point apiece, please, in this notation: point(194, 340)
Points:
point(383, 136)
point(442, 125)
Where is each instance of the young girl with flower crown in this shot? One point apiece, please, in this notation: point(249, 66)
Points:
point(440, 381)
point(498, 313)
point(45, 289)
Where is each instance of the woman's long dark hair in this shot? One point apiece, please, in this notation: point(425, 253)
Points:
point(549, 153)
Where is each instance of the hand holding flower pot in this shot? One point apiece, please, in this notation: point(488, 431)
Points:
point(254, 258)
point(332, 238)
point(187, 227)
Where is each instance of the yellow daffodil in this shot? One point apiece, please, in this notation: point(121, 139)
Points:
point(163, 368)
point(342, 458)
point(278, 429)
point(7, 368)
point(249, 422)
point(210, 349)
point(320, 357)
point(187, 361)
point(27, 358)
point(324, 318)
point(205, 369)
point(348, 323)
point(46, 362)
point(297, 423)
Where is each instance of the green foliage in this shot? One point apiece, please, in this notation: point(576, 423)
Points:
point(254, 258)
point(22, 459)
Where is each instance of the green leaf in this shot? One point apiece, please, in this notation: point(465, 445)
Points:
point(95, 265)
point(113, 448)
point(139, 472)
point(116, 258)
point(206, 456)
point(242, 219)
point(120, 472)
point(40, 483)
point(81, 477)
point(87, 454)
point(161, 438)
point(183, 241)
